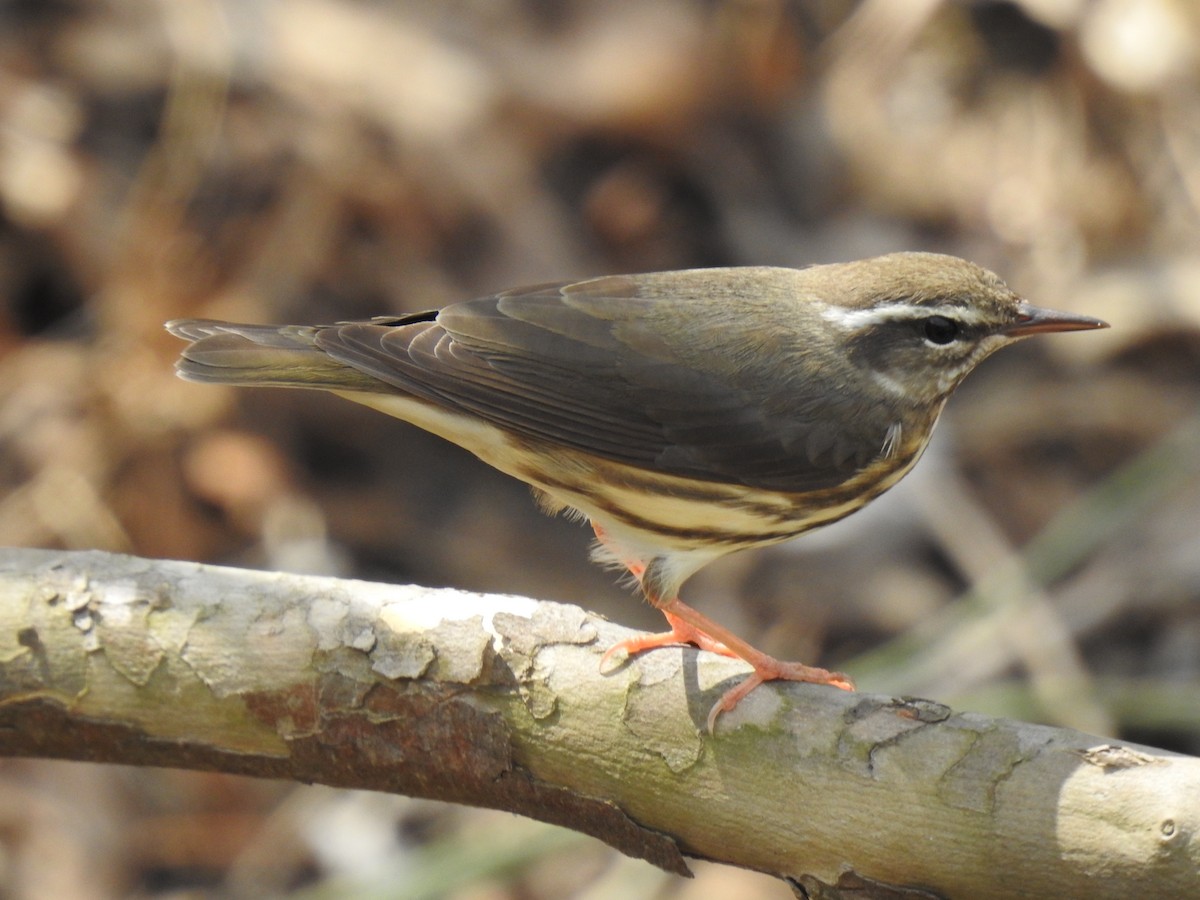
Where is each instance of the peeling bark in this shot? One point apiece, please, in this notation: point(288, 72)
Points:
point(498, 701)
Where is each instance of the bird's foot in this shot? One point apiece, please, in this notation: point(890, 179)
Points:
point(767, 668)
point(681, 633)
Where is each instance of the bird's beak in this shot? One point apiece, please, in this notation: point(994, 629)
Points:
point(1035, 320)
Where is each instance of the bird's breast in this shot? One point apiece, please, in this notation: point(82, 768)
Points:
point(653, 511)
point(663, 512)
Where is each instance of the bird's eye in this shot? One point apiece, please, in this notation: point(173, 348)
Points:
point(940, 330)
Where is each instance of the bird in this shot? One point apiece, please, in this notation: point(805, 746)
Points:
point(684, 414)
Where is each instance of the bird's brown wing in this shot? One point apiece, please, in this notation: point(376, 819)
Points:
point(596, 367)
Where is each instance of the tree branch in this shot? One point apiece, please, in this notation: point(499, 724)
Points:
point(498, 701)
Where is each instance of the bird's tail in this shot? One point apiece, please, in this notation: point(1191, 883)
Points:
point(262, 355)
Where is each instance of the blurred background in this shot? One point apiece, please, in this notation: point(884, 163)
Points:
point(317, 160)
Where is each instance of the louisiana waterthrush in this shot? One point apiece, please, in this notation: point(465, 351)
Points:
point(686, 414)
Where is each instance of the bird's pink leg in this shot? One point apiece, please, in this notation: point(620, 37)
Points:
point(681, 632)
point(688, 626)
point(766, 668)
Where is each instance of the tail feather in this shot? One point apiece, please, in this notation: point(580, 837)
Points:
point(263, 355)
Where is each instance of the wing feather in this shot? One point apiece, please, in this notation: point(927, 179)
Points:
point(598, 367)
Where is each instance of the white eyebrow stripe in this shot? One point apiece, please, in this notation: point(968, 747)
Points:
point(856, 319)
